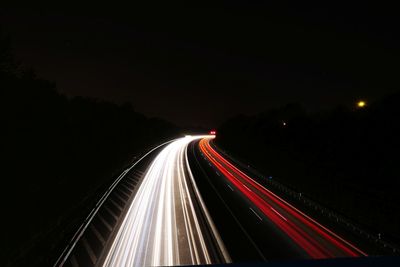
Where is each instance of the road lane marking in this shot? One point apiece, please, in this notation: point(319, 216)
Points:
point(260, 253)
point(230, 187)
point(255, 213)
point(318, 227)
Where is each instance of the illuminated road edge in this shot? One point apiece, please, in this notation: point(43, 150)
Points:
point(162, 226)
point(315, 239)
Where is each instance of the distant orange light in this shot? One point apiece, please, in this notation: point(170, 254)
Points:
point(213, 132)
point(361, 104)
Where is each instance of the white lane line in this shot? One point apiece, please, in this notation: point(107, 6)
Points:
point(280, 215)
point(255, 213)
point(230, 187)
point(218, 173)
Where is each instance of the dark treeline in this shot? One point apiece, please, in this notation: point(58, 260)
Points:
point(346, 159)
point(55, 152)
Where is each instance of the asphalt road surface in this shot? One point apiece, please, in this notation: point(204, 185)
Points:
point(167, 222)
point(274, 228)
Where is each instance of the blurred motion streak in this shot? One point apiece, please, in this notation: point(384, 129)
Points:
point(316, 240)
point(164, 224)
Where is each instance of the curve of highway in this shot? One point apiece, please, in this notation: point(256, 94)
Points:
point(299, 233)
point(167, 222)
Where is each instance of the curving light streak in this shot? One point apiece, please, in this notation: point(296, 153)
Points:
point(315, 239)
point(161, 226)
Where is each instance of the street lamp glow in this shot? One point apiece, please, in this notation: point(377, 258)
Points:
point(361, 104)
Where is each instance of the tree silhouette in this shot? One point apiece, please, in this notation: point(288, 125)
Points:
point(347, 159)
point(55, 152)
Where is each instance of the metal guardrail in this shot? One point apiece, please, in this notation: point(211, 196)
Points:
point(337, 218)
point(375, 238)
point(76, 237)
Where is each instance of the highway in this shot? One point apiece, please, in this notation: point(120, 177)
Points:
point(186, 204)
point(167, 222)
point(291, 233)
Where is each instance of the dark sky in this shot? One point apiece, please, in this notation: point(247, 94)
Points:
point(198, 66)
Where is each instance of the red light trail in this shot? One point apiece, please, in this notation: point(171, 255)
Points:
point(315, 239)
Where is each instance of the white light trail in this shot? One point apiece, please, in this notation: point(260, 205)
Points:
point(162, 227)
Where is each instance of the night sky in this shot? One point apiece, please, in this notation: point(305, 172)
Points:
point(199, 66)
